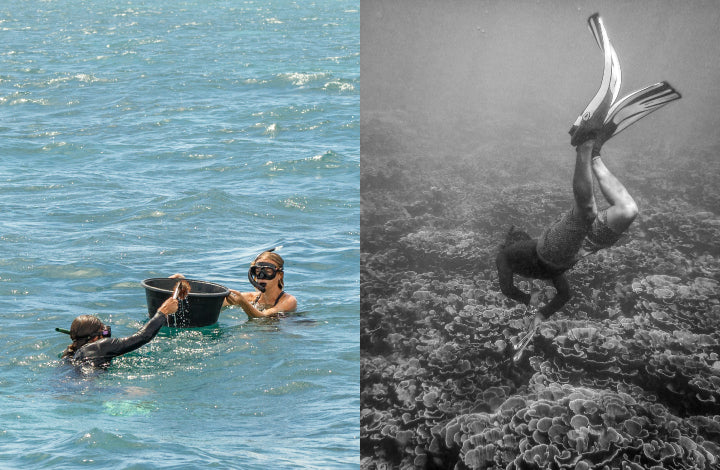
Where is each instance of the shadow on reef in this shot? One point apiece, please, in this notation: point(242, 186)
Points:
point(626, 375)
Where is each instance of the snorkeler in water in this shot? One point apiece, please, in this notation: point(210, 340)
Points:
point(93, 345)
point(584, 229)
point(266, 274)
point(575, 234)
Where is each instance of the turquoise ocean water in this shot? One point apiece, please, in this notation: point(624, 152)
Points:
point(143, 138)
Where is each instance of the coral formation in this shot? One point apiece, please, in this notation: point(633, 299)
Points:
point(626, 375)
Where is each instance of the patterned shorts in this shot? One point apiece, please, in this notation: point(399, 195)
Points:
point(560, 243)
point(600, 235)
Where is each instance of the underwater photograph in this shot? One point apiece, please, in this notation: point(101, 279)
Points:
point(540, 266)
point(215, 142)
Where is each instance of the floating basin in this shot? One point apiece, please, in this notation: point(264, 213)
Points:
point(203, 304)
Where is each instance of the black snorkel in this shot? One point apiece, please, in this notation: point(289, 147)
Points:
point(106, 332)
point(251, 278)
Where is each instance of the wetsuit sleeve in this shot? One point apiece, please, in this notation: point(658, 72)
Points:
point(507, 284)
point(118, 346)
point(563, 295)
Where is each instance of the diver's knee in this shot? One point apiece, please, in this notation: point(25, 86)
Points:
point(621, 216)
point(628, 211)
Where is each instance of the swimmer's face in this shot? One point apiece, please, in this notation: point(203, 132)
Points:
point(266, 271)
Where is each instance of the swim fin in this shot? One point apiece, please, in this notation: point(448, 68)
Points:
point(621, 113)
point(597, 28)
point(593, 117)
point(635, 106)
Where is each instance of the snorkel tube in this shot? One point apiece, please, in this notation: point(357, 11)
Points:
point(105, 332)
point(257, 285)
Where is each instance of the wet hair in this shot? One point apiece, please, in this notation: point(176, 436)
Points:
point(275, 258)
point(83, 329)
point(514, 236)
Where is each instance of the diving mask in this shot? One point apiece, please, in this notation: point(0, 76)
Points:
point(262, 271)
point(106, 332)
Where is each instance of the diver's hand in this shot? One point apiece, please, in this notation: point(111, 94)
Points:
point(234, 297)
point(537, 320)
point(168, 307)
point(177, 276)
point(534, 299)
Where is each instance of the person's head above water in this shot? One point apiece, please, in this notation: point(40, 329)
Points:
point(88, 327)
point(85, 329)
point(267, 269)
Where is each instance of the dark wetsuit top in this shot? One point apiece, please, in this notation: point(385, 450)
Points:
point(521, 258)
point(100, 352)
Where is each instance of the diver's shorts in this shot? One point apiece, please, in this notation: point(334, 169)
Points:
point(600, 235)
point(560, 243)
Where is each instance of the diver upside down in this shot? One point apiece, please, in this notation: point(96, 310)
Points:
point(583, 229)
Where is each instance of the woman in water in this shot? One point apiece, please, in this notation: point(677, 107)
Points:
point(267, 276)
point(92, 344)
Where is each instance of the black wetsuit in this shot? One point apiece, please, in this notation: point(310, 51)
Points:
point(521, 258)
point(99, 353)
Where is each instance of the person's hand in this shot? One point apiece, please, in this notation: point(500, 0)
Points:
point(168, 307)
point(537, 320)
point(534, 299)
point(177, 276)
point(234, 296)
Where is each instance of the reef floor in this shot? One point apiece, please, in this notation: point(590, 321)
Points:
point(626, 375)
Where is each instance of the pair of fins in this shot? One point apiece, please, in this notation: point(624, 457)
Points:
point(607, 116)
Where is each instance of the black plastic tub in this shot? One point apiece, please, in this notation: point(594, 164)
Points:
point(205, 301)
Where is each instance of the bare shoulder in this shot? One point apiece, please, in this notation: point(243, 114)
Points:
point(288, 303)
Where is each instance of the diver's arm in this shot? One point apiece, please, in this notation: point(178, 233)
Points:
point(118, 346)
point(507, 285)
point(234, 297)
point(113, 347)
point(240, 298)
point(288, 303)
point(561, 298)
point(228, 300)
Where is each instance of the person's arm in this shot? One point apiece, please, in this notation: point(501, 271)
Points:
point(507, 284)
point(233, 297)
point(287, 303)
point(113, 347)
point(226, 300)
point(561, 298)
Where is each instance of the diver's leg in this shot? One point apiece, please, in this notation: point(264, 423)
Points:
point(623, 209)
point(560, 243)
point(583, 182)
